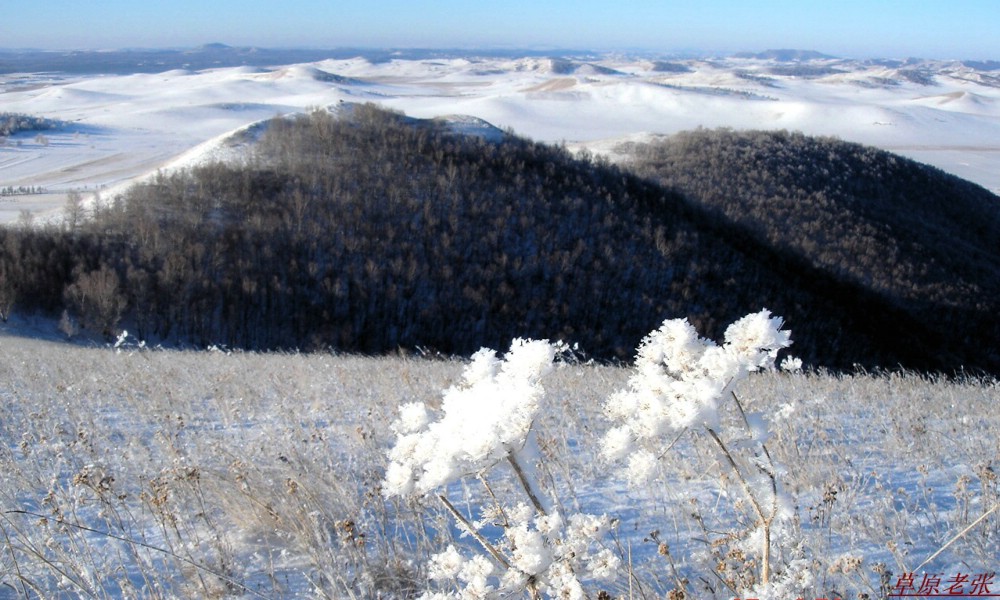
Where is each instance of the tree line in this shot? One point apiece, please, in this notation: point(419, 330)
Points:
point(11, 123)
point(21, 190)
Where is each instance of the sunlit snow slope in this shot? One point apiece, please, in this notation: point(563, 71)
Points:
point(119, 128)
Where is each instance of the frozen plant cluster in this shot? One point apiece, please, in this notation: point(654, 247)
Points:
point(487, 419)
point(545, 553)
point(484, 419)
point(680, 381)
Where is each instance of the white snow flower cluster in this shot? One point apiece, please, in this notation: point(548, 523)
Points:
point(473, 574)
point(483, 419)
point(791, 364)
point(556, 555)
point(680, 381)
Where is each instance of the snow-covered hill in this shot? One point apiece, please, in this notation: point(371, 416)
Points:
point(126, 126)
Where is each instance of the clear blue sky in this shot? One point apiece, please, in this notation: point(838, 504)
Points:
point(967, 29)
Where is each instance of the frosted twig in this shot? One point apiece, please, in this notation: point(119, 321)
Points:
point(957, 536)
point(496, 501)
point(485, 543)
point(763, 446)
point(522, 477)
point(13, 557)
point(765, 521)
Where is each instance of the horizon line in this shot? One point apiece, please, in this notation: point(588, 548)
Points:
point(687, 53)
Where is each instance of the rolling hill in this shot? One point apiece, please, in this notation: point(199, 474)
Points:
point(371, 231)
point(926, 241)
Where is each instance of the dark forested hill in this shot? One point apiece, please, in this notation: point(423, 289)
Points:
point(370, 231)
point(926, 241)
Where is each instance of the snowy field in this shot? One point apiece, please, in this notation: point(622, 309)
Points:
point(165, 474)
point(120, 127)
point(137, 473)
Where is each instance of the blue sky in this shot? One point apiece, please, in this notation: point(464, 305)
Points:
point(968, 29)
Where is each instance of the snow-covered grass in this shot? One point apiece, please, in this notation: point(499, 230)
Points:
point(153, 473)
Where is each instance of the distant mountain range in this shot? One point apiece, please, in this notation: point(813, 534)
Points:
point(218, 55)
point(785, 55)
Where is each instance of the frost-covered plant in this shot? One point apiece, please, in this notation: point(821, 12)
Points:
point(681, 381)
point(543, 554)
point(486, 420)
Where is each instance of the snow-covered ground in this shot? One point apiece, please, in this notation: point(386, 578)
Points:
point(121, 127)
point(261, 476)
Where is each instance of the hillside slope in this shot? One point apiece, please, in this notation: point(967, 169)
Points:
point(371, 231)
point(926, 241)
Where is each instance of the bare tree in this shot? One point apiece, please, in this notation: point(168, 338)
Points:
point(97, 297)
point(8, 290)
point(25, 218)
point(74, 210)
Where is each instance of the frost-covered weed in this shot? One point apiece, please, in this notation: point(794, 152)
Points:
point(680, 383)
point(537, 552)
point(486, 420)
